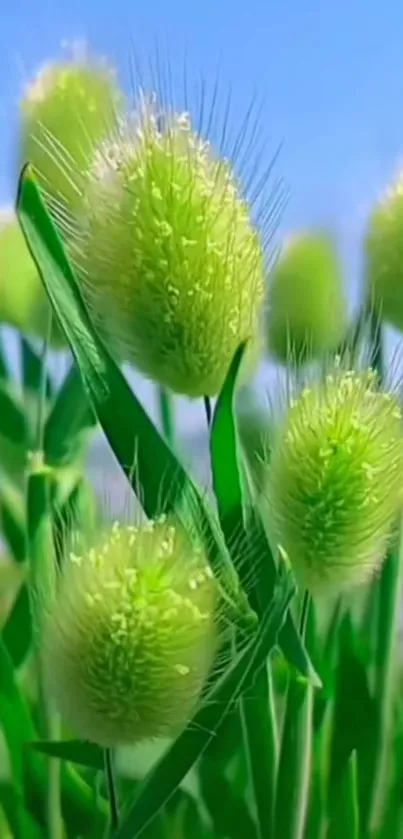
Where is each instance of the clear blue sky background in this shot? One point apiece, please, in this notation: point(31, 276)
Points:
point(331, 74)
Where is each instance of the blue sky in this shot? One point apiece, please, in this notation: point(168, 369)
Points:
point(331, 75)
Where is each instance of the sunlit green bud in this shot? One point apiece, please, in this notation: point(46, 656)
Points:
point(170, 262)
point(334, 482)
point(23, 302)
point(384, 256)
point(307, 313)
point(67, 109)
point(131, 636)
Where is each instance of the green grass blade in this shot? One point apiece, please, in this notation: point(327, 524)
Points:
point(32, 365)
point(13, 423)
point(261, 739)
point(20, 822)
point(159, 785)
point(245, 532)
point(42, 588)
point(389, 600)
point(12, 520)
point(344, 812)
point(355, 713)
point(17, 630)
point(295, 763)
point(166, 411)
point(69, 422)
point(233, 820)
point(80, 752)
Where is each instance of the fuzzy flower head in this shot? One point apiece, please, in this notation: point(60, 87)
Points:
point(306, 304)
point(131, 635)
point(170, 261)
point(384, 256)
point(334, 482)
point(67, 109)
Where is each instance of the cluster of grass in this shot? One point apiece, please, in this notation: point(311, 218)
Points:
point(218, 663)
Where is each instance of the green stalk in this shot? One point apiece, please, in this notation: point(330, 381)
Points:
point(166, 410)
point(260, 736)
point(42, 584)
point(259, 725)
point(292, 791)
point(344, 820)
point(112, 791)
point(389, 601)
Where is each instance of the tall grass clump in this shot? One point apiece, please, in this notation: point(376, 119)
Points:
point(221, 661)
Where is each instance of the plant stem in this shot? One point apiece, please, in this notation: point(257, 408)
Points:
point(111, 788)
point(293, 779)
point(389, 598)
point(166, 414)
point(42, 583)
point(376, 343)
point(259, 724)
point(208, 410)
point(306, 604)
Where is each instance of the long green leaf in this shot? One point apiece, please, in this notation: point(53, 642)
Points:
point(257, 711)
point(32, 373)
point(69, 422)
point(244, 531)
point(344, 811)
point(17, 630)
point(13, 424)
point(21, 824)
point(234, 820)
point(12, 520)
point(295, 763)
point(80, 752)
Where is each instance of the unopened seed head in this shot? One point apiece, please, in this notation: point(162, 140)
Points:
point(66, 110)
point(384, 255)
point(131, 635)
point(23, 302)
point(334, 482)
point(170, 261)
point(306, 315)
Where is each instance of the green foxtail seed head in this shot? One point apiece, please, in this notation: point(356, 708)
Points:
point(131, 636)
point(171, 264)
point(66, 110)
point(306, 314)
point(334, 482)
point(23, 302)
point(384, 256)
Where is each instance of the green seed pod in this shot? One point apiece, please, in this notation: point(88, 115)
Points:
point(23, 302)
point(171, 264)
point(67, 109)
point(307, 314)
point(384, 256)
point(131, 636)
point(334, 482)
